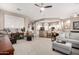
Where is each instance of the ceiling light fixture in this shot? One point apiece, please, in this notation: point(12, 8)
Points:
point(42, 9)
point(42, 6)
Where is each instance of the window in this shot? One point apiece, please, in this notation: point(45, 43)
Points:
point(13, 21)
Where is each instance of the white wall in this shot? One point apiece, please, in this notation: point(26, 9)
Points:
point(1, 20)
point(27, 20)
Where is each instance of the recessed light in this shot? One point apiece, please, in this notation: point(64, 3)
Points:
point(19, 9)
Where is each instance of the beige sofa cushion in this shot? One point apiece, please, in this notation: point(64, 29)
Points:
point(74, 36)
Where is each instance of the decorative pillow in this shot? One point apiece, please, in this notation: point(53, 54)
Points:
point(62, 35)
point(67, 35)
point(61, 41)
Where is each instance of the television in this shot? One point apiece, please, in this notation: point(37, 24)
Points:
point(42, 29)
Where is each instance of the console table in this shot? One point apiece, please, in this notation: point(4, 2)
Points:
point(6, 47)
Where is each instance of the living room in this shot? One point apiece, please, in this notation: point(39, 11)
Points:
point(39, 28)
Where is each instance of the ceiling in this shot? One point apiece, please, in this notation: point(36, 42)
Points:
point(59, 10)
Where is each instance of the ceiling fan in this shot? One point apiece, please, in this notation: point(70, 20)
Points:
point(42, 6)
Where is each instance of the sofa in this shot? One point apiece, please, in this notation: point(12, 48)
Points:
point(70, 37)
point(65, 48)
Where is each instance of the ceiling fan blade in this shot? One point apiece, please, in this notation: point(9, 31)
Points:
point(48, 6)
point(37, 5)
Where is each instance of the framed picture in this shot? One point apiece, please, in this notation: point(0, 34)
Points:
point(76, 25)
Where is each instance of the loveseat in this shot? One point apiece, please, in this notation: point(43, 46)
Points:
point(70, 37)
